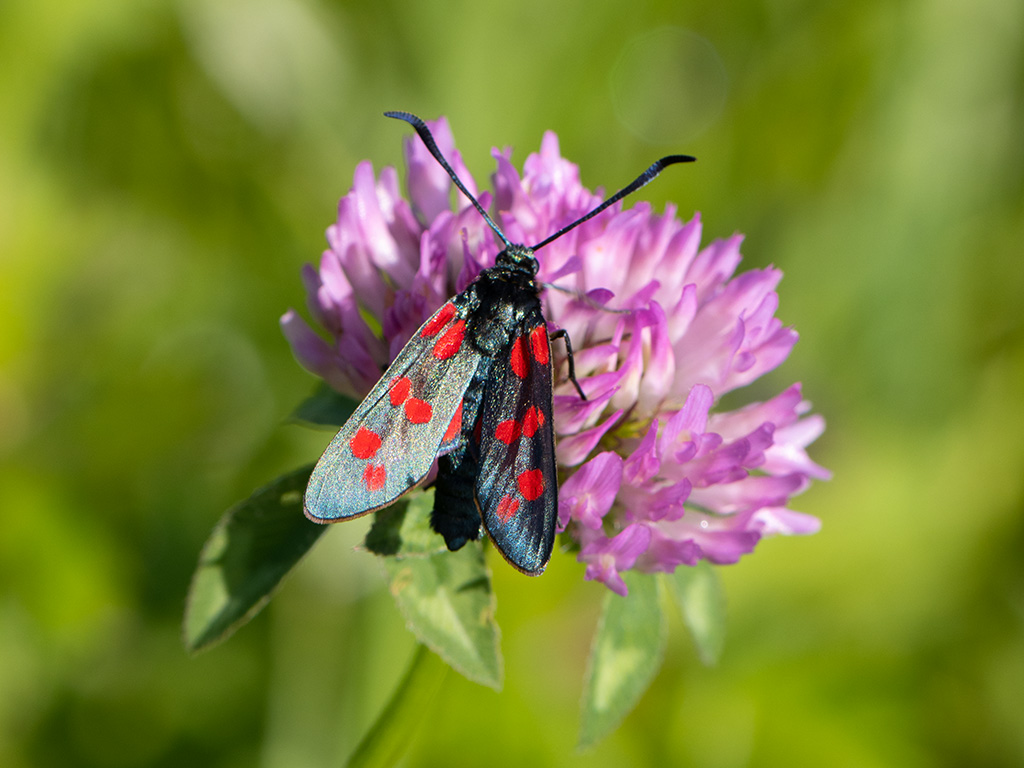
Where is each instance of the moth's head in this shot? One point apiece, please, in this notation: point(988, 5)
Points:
point(519, 256)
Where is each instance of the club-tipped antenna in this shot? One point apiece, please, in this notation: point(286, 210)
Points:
point(428, 140)
point(642, 180)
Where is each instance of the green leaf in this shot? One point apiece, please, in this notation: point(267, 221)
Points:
point(702, 601)
point(446, 597)
point(251, 548)
point(324, 408)
point(625, 656)
point(403, 529)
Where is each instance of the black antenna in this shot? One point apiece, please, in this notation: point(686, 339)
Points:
point(428, 140)
point(642, 180)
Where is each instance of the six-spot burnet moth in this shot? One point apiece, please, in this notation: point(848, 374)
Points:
point(472, 389)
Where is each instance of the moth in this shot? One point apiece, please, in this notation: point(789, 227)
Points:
point(471, 390)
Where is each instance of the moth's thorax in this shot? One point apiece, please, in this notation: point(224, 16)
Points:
point(503, 302)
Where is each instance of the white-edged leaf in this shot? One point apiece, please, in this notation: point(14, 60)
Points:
point(445, 597)
point(626, 654)
point(701, 599)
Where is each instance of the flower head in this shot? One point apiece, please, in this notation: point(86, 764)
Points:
point(654, 475)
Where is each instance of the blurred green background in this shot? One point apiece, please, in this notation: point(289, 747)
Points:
point(165, 169)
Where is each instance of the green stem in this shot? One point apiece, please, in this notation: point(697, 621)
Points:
point(389, 737)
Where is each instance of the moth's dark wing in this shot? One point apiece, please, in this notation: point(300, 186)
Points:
point(517, 488)
point(390, 441)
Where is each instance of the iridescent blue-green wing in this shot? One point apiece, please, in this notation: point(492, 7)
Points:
point(390, 441)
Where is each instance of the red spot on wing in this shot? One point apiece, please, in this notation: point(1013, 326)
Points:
point(508, 431)
point(477, 429)
point(539, 344)
point(518, 358)
point(455, 427)
point(364, 443)
point(418, 411)
point(507, 508)
point(450, 342)
point(399, 390)
point(531, 484)
point(533, 420)
point(438, 321)
point(373, 477)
